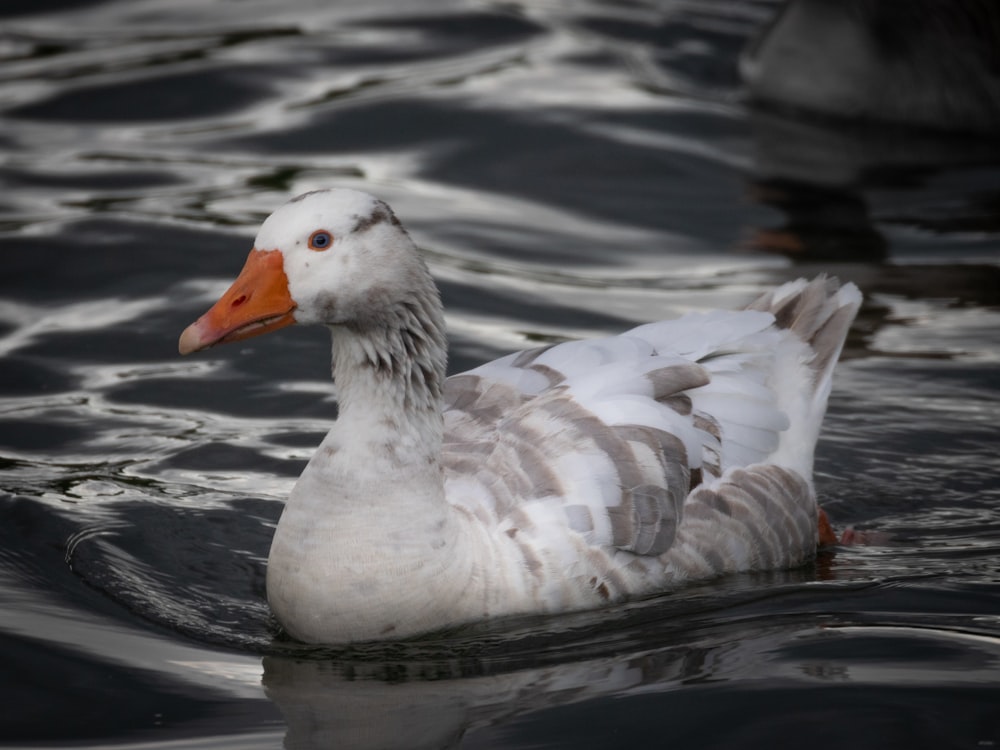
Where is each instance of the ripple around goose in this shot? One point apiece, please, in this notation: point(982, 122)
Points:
point(553, 479)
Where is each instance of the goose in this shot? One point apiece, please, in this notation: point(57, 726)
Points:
point(567, 477)
point(920, 63)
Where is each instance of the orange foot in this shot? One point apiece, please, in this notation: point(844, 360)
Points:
point(828, 537)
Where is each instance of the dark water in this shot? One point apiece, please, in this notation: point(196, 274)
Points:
point(571, 169)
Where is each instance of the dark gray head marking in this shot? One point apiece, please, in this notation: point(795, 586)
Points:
point(297, 198)
point(380, 213)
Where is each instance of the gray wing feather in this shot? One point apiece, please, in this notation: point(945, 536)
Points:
point(754, 518)
point(617, 485)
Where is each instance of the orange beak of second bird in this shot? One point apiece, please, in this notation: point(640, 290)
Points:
point(256, 303)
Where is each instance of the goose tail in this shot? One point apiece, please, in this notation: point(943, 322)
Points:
point(818, 313)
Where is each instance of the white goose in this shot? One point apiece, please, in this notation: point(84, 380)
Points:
point(553, 479)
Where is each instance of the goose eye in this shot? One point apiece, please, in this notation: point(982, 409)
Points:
point(320, 240)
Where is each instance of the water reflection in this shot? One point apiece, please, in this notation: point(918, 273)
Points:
point(928, 68)
point(823, 224)
point(831, 182)
point(446, 703)
point(324, 707)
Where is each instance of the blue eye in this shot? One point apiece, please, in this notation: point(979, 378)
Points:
point(320, 240)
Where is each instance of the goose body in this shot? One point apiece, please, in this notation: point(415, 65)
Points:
point(561, 478)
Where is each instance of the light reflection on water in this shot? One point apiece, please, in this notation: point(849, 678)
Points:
point(570, 171)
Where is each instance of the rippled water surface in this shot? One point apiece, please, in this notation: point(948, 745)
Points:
point(570, 169)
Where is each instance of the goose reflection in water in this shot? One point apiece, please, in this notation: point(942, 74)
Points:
point(679, 674)
point(854, 97)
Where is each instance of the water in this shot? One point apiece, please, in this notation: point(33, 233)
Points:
point(571, 169)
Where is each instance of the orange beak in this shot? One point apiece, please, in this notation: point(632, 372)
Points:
point(256, 303)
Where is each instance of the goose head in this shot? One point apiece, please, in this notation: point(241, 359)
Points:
point(333, 257)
